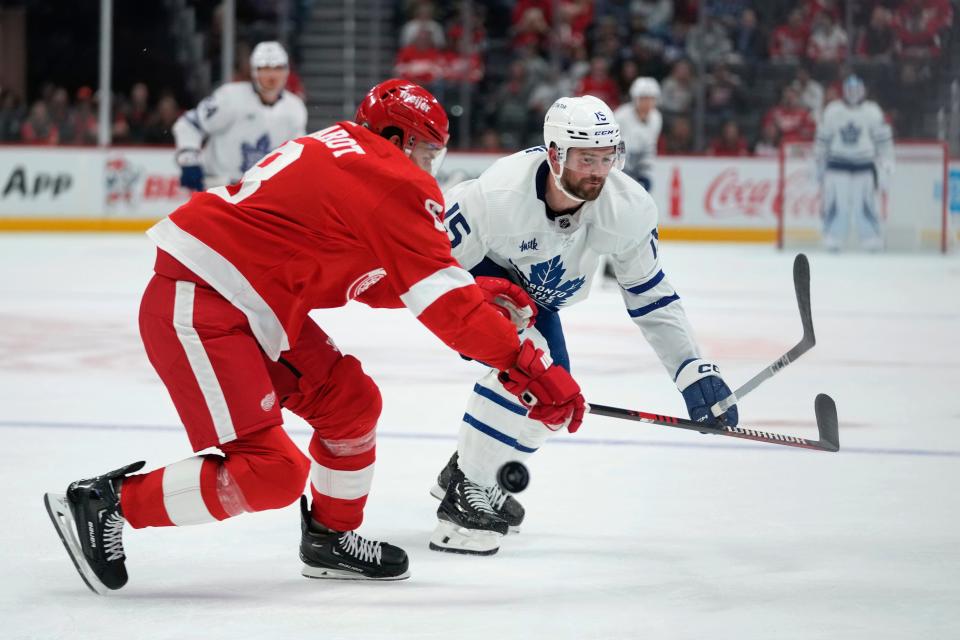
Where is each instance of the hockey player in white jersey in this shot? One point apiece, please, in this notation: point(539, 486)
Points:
point(232, 129)
point(854, 155)
point(640, 124)
point(542, 218)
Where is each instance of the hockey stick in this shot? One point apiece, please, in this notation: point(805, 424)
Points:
point(824, 407)
point(801, 283)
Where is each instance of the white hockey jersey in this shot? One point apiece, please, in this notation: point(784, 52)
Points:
point(236, 129)
point(640, 138)
point(853, 137)
point(502, 216)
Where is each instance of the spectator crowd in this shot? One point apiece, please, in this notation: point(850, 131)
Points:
point(763, 70)
point(745, 76)
point(62, 117)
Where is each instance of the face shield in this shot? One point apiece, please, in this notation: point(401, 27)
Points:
point(591, 161)
point(428, 156)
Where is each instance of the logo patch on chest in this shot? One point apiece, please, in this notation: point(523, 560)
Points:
point(546, 285)
point(529, 245)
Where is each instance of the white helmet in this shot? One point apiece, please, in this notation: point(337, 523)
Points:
point(645, 88)
point(268, 54)
point(582, 122)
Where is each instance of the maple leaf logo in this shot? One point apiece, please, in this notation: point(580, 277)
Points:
point(546, 285)
point(253, 152)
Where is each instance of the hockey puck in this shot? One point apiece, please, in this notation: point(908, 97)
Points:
point(513, 477)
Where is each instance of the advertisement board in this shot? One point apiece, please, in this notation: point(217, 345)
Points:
point(63, 188)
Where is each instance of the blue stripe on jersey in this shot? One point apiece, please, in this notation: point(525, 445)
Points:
point(496, 435)
point(646, 286)
point(653, 306)
point(191, 117)
point(488, 267)
point(500, 400)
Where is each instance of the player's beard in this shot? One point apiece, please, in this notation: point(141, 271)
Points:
point(586, 188)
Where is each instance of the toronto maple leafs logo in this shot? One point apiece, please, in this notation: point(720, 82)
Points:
point(253, 152)
point(850, 133)
point(546, 285)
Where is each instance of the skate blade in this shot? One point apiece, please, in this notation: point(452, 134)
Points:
point(63, 522)
point(451, 538)
point(323, 573)
point(437, 492)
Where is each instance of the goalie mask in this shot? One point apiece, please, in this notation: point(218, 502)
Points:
point(584, 123)
point(853, 90)
point(402, 108)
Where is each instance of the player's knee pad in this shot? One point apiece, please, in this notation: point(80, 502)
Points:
point(265, 470)
point(343, 410)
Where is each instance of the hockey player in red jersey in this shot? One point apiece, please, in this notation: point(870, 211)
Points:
point(349, 212)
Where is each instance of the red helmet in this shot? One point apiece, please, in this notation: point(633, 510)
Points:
point(408, 107)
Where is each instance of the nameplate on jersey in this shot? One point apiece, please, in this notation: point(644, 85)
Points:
point(338, 140)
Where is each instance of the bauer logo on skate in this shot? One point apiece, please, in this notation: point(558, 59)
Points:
point(364, 282)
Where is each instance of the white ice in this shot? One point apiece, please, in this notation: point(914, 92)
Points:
point(633, 531)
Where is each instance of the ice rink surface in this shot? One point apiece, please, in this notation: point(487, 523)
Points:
point(632, 531)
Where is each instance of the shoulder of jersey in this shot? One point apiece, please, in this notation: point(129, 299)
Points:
point(234, 90)
point(294, 99)
point(625, 207)
point(514, 171)
point(390, 162)
point(872, 107)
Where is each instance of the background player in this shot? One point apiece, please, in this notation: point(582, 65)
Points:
point(544, 217)
point(854, 155)
point(338, 215)
point(640, 124)
point(230, 130)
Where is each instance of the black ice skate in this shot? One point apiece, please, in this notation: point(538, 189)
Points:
point(90, 525)
point(344, 555)
point(506, 506)
point(467, 522)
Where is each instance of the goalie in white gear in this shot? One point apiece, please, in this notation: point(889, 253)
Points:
point(543, 218)
point(232, 129)
point(854, 155)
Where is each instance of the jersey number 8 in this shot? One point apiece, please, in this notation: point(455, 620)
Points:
point(275, 162)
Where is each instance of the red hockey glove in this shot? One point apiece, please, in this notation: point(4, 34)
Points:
point(511, 301)
point(548, 390)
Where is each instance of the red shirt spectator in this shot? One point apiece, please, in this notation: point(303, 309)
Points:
point(917, 25)
point(729, 143)
point(420, 62)
point(39, 128)
point(828, 40)
point(599, 83)
point(813, 8)
point(791, 118)
point(521, 8)
point(461, 67)
point(789, 41)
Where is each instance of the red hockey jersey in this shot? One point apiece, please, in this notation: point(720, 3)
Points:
point(333, 216)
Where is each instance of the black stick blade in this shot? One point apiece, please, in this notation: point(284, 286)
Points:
point(801, 283)
point(826, 410)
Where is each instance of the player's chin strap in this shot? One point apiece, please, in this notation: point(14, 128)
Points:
point(556, 181)
point(561, 156)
